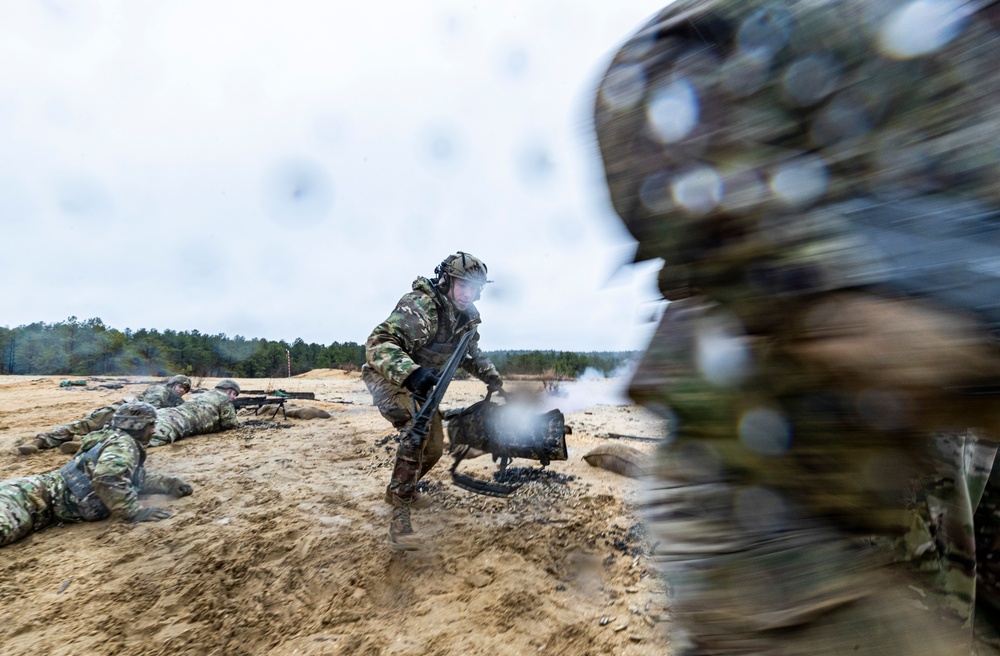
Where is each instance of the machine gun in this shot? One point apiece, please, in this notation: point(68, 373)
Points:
point(258, 402)
point(505, 432)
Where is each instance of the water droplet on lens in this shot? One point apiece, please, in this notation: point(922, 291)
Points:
point(655, 193)
point(698, 191)
point(801, 181)
point(624, 85)
point(809, 80)
point(921, 27)
point(745, 74)
point(297, 193)
point(765, 432)
point(765, 32)
point(673, 111)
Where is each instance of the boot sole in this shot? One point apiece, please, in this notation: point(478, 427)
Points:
point(404, 546)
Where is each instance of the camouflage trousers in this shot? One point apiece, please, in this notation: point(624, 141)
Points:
point(412, 462)
point(94, 421)
point(941, 542)
point(774, 506)
point(30, 503)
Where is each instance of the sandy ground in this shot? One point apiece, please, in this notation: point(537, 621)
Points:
point(282, 548)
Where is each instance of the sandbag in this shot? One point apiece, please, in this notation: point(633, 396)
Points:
point(620, 459)
point(307, 412)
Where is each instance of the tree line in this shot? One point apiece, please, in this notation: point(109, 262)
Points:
point(89, 347)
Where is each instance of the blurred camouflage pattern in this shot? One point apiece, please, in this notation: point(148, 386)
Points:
point(158, 396)
point(805, 362)
point(110, 466)
point(208, 412)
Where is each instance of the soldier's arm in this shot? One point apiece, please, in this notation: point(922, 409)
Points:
point(164, 484)
point(112, 477)
point(410, 327)
point(227, 417)
point(477, 363)
point(155, 395)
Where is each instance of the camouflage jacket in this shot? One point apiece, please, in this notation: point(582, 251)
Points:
point(422, 331)
point(209, 412)
point(116, 474)
point(160, 396)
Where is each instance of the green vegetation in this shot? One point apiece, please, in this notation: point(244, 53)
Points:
point(81, 348)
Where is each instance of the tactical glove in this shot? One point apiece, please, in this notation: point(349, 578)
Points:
point(494, 384)
point(421, 381)
point(180, 488)
point(150, 514)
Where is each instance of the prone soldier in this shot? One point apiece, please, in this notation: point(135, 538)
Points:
point(168, 395)
point(103, 480)
point(820, 180)
point(208, 412)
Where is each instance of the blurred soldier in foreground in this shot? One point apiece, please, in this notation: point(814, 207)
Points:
point(104, 480)
point(208, 412)
point(168, 395)
point(403, 355)
point(820, 179)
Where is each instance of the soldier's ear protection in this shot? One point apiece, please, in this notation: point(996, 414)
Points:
point(447, 270)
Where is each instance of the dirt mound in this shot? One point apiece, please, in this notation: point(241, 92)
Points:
point(324, 374)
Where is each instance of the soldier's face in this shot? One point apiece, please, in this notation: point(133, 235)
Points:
point(182, 389)
point(463, 292)
point(147, 433)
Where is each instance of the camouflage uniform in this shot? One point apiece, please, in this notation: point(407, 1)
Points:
point(208, 412)
point(158, 396)
point(747, 144)
point(422, 331)
point(111, 461)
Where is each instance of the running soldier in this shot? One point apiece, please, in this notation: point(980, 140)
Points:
point(208, 412)
point(820, 180)
point(403, 356)
point(103, 480)
point(168, 395)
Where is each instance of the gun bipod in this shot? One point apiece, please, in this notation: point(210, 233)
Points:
point(476, 485)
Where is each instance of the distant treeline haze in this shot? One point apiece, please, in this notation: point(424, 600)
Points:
point(82, 348)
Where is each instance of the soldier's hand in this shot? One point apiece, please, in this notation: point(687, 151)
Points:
point(181, 488)
point(150, 514)
point(421, 381)
point(494, 384)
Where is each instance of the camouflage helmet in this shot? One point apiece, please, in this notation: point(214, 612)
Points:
point(228, 383)
point(133, 416)
point(179, 380)
point(461, 265)
point(724, 119)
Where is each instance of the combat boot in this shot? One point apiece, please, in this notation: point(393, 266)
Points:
point(420, 501)
point(70, 447)
point(29, 448)
point(401, 535)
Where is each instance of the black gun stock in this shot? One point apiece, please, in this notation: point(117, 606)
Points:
point(422, 421)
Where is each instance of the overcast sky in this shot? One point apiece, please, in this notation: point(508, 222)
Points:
point(285, 169)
